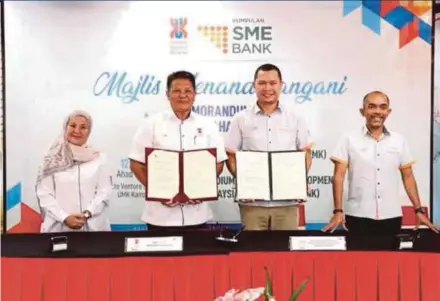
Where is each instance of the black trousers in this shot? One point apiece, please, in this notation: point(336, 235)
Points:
point(371, 234)
point(177, 228)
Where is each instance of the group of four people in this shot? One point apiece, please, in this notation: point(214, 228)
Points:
point(73, 185)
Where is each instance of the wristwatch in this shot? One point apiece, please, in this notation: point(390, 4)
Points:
point(338, 211)
point(87, 214)
point(419, 210)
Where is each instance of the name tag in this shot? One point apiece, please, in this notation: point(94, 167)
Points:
point(153, 244)
point(405, 245)
point(59, 243)
point(59, 247)
point(317, 243)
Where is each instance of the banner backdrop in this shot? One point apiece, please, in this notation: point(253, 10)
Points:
point(112, 59)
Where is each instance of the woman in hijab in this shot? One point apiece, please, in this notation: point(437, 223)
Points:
point(73, 185)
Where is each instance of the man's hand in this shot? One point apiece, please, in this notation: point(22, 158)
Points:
point(170, 203)
point(230, 151)
point(230, 163)
point(75, 221)
point(336, 220)
point(194, 202)
point(423, 220)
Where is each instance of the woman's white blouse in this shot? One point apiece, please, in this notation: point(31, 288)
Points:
point(82, 187)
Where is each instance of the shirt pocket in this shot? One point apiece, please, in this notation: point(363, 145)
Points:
point(251, 132)
point(253, 137)
point(201, 141)
point(360, 155)
point(393, 155)
point(166, 137)
point(162, 141)
point(287, 138)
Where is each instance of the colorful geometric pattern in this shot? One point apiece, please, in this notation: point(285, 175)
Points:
point(403, 15)
point(30, 220)
point(216, 34)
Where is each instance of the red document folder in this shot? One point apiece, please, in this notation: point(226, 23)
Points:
point(172, 178)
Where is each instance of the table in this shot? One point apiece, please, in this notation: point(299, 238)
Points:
point(209, 268)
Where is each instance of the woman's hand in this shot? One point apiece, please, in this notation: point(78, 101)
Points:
point(75, 221)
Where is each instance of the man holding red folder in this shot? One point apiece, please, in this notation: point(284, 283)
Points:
point(176, 129)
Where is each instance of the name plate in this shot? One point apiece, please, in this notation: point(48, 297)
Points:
point(59, 247)
point(59, 243)
point(317, 243)
point(221, 238)
point(406, 245)
point(154, 244)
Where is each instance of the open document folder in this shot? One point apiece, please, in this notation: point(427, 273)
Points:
point(182, 175)
point(271, 176)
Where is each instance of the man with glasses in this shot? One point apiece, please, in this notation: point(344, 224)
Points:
point(179, 129)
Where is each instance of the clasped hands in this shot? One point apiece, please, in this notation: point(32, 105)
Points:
point(75, 221)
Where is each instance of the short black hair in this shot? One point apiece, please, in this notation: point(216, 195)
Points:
point(268, 67)
point(182, 74)
point(375, 92)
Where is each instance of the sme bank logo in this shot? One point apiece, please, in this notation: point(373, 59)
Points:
point(217, 35)
point(243, 36)
point(178, 36)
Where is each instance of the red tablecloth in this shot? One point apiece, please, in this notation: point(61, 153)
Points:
point(341, 276)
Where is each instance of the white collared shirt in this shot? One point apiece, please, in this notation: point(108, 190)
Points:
point(82, 187)
point(283, 130)
point(165, 131)
point(373, 172)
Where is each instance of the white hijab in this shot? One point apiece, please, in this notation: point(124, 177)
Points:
point(62, 154)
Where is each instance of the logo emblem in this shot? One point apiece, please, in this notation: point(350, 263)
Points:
point(218, 35)
point(178, 32)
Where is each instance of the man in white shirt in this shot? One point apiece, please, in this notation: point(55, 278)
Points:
point(179, 129)
point(376, 159)
point(268, 126)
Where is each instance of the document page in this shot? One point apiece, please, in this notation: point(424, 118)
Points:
point(253, 175)
point(289, 179)
point(163, 175)
point(200, 175)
